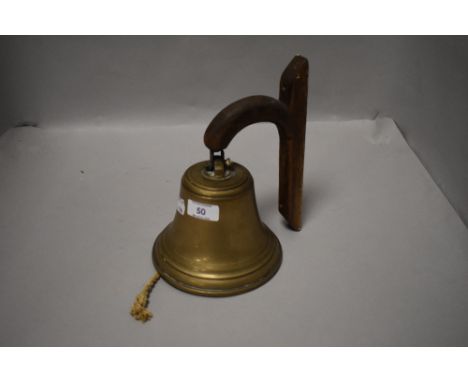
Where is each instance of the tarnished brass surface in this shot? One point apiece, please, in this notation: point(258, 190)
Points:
point(233, 255)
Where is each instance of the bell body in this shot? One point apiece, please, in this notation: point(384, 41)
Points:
point(217, 245)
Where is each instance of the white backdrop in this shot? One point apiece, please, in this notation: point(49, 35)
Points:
point(381, 259)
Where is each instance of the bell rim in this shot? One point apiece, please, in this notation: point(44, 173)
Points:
point(230, 286)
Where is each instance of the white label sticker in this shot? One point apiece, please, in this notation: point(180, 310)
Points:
point(181, 206)
point(203, 211)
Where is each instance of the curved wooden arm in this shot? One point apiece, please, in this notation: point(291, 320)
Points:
point(244, 112)
point(288, 113)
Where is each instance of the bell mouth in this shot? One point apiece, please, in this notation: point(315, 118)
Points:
point(221, 283)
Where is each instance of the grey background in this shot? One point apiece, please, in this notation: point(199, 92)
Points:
point(382, 258)
point(421, 82)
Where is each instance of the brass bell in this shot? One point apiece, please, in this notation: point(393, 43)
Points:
point(217, 245)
